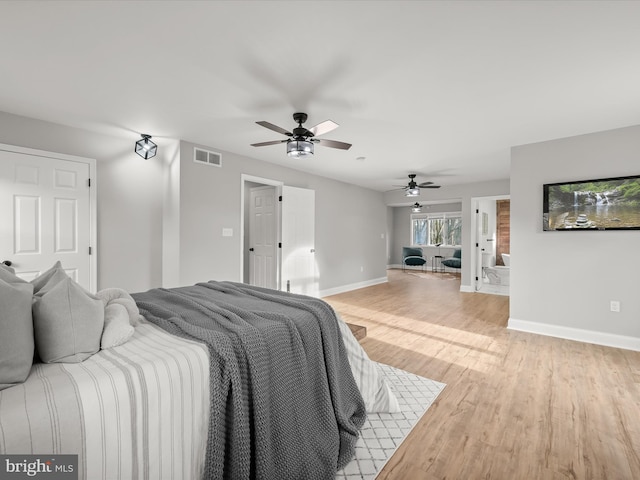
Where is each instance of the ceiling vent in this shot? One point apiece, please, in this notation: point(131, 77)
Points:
point(207, 157)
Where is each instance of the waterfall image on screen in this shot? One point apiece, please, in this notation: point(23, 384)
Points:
point(603, 204)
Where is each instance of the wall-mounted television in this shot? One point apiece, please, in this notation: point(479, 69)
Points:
point(602, 204)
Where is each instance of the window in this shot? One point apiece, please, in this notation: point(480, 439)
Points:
point(444, 228)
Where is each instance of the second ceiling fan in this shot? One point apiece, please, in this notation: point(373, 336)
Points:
point(301, 140)
point(412, 189)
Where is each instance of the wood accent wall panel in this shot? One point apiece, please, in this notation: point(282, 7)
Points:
point(503, 229)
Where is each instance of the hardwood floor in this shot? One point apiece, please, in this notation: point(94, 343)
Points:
point(516, 406)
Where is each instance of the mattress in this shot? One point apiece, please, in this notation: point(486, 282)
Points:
point(139, 410)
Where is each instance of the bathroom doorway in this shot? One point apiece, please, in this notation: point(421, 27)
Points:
point(492, 244)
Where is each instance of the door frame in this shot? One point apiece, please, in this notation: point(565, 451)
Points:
point(244, 179)
point(93, 224)
point(476, 256)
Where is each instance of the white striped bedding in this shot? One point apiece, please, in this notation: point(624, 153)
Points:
point(137, 411)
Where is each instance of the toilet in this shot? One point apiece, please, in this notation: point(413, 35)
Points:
point(497, 274)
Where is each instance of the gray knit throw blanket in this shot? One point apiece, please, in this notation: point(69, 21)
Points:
point(284, 404)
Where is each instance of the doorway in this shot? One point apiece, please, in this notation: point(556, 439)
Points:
point(492, 241)
point(287, 230)
point(260, 228)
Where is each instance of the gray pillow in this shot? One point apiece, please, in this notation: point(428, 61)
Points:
point(48, 278)
point(8, 274)
point(7, 267)
point(16, 327)
point(67, 322)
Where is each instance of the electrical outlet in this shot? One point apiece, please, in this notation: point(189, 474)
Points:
point(614, 305)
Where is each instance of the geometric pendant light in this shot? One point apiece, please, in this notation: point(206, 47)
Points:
point(145, 147)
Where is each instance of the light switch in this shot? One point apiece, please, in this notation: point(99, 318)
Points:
point(227, 232)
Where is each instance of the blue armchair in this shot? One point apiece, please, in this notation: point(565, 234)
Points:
point(454, 261)
point(412, 257)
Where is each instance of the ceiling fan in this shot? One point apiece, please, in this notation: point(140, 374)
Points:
point(412, 189)
point(301, 140)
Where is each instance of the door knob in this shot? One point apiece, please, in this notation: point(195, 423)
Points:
point(8, 263)
point(251, 249)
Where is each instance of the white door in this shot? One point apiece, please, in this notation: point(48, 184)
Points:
point(45, 207)
point(299, 273)
point(262, 238)
point(479, 249)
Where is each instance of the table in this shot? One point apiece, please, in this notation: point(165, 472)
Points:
point(436, 264)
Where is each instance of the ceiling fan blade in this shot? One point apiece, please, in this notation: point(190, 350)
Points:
point(334, 144)
point(324, 127)
point(429, 186)
point(424, 184)
point(275, 128)
point(264, 144)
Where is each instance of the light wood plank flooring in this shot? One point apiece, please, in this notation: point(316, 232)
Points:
point(517, 406)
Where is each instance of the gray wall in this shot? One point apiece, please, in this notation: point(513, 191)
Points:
point(565, 280)
point(351, 222)
point(402, 231)
point(160, 220)
point(129, 207)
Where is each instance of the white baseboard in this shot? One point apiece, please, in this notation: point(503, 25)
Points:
point(577, 334)
point(467, 289)
point(352, 286)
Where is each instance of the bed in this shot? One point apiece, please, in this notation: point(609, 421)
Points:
point(138, 410)
point(216, 380)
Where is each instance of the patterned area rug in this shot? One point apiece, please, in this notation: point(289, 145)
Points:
point(383, 433)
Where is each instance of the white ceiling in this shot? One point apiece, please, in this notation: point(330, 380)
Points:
point(443, 89)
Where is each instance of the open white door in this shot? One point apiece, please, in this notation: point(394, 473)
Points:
point(299, 273)
point(263, 258)
point(47, 208)
point(478, 248)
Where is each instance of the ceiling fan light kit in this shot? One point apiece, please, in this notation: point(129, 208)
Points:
point(299, 148)
point(301, 140)
point(412, 189)
point(416, 208)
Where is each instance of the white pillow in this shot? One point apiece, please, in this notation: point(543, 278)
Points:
point(120, 316)
point(117, 329)
point(375, 391)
